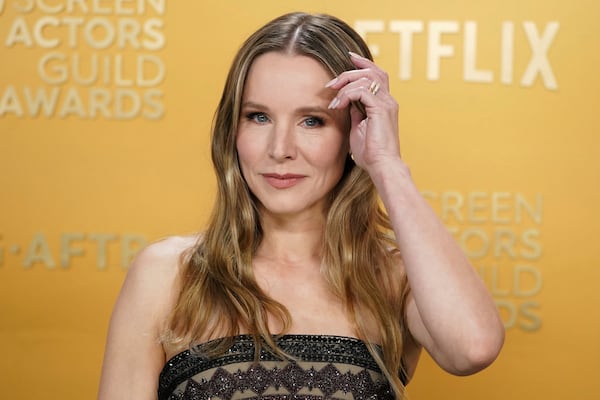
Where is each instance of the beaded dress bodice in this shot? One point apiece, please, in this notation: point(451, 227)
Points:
point(325, 367)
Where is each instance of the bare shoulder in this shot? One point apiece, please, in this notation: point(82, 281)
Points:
point(152, 276)
point(155, 268)
point(134, 353)
point(163, 256)
point(151, 284)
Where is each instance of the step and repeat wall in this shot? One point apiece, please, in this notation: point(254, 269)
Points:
point(105, 111)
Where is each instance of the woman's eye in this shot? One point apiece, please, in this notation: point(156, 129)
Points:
point(258, 117)
point(313, 122)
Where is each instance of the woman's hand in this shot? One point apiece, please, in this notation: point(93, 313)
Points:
point(374, 137)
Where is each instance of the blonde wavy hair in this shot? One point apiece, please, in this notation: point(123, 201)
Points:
point(218, 290)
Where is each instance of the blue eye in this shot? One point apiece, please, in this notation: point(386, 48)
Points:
point(313, 122)
point(258, 117)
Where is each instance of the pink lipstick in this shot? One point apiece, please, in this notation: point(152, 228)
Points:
point(284, 181)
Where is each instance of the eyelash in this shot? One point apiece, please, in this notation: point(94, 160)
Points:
point(318, 121)
point(253, 116)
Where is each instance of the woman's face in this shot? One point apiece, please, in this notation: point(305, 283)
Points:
point(291, 147)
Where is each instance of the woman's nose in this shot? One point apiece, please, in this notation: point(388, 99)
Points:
point(283, 142)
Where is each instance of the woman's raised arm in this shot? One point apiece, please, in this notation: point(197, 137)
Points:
point(449, 311)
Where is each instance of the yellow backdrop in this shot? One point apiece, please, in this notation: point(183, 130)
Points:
point(105, 109)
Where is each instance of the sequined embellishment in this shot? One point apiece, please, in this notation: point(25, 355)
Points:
point(326, 367)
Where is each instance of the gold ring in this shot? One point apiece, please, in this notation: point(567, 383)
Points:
point(374, 87)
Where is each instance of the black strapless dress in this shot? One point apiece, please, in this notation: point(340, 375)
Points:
point(326, 367)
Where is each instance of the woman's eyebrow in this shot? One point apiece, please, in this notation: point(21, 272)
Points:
point(313, 109)
point(300, 110)
point(251, 104)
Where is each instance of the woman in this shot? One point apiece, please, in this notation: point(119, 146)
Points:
point(312, 290)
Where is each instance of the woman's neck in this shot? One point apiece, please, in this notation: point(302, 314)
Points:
point(291, 241)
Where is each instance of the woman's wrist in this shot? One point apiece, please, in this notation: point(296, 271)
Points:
point(390, 172)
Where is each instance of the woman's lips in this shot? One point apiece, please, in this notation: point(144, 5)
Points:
point(283, 181)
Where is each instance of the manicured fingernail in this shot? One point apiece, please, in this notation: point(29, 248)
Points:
point(354, 54)
point(331, 82)
point(333, 103)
